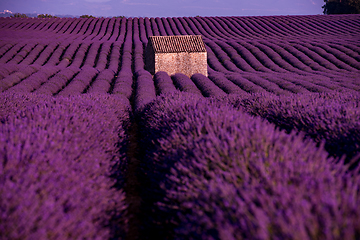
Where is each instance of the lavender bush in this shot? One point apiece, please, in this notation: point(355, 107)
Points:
point(34, 81)
point(222, 82)
point(102, 58)
point(235, 176)
point(184, 83)
point(102, 82)
point(80, 82)
point(54, 57)
point(206, 86)
point(57, 82)
point(58, 156)
point(16, 77)
point(10, 53)
point(89, 61)
point(330, 117)
point(7, 69)
point(123, 84)
point(163, 83)
point(145, 90)
point(287, 85)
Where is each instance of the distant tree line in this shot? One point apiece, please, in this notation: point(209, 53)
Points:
point(19, 15)
point(23, 15)
point(341, 7)
point(46, 16)
point(91, 16)
point(87, 16)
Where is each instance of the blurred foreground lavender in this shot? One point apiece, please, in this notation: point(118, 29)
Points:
point(333, 118)
point(214, 172)
point(58, 156)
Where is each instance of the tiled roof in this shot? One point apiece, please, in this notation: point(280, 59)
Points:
point(178, 43)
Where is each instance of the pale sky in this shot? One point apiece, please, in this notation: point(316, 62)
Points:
point(164, 8)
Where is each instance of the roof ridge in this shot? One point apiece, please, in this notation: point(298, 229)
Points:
point(177, 43)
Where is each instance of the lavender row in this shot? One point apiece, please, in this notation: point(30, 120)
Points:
point(102, 56)
point(81, 82)
point(330, 117)
point(123, 84)
point(15, 77)
point(34, 81)
point(138, 54)
point(102, 82)
point(334, 58)
point(33, 54)
point(114, 57)
point(67, 56)
point(249, 57)
point(57, 82)
point(223, 58)
point(5, 48)
point(285, 84)
point(163, 83)
point(303, 57)
point(229, 27)
point(223, 31)
point(264, 59)
point(73, 54)
point(269, 86)
point(10, 53)
point(60, 160)
point(350, 59)
point(291, 83)
point(100, 30)
point(115, 31)
point(44, 55)
point(161, 27)
point(287, 56)
point(49, 54)
point(198, 83)
point(225, 84)
point(206, 86)
point(205, 30)
point(20, 55)
point(8, 69)
point(211, 27)
point(216, 85)
point(149, 30)
point(235, 57)
point(184, 83)
point(244, 84)
point(123, 30)
point(278, 59)
point(69, 81)
point(316, 58)
point(215, 64)
point(143, 31)
point(85, 34)
point(182, 29)
point(92, 53)
point(145, 90)
point(236, 176)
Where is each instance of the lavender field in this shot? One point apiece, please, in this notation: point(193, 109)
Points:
point(92, 146)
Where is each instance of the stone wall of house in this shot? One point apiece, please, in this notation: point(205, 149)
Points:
point(187, 63)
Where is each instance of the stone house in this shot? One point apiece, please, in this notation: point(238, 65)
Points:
point(176, 54)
